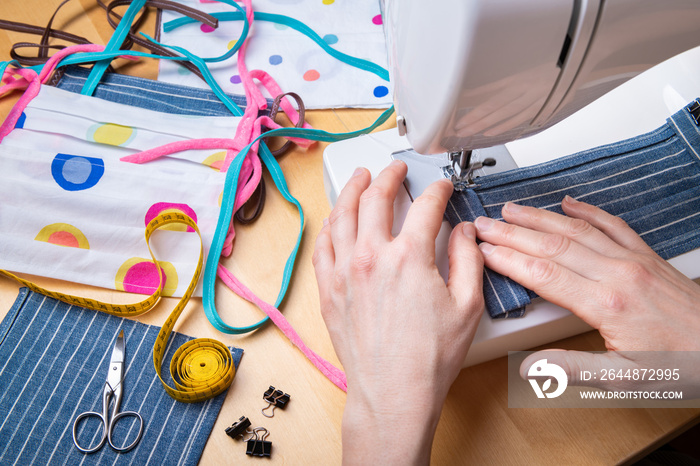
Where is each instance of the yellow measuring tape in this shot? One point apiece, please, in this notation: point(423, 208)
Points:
point(201, 368)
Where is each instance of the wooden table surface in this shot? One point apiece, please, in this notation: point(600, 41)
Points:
point(476, 424)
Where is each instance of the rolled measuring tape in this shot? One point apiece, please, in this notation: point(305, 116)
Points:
point(201, 368)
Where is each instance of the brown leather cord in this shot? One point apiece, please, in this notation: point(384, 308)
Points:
point(37, 30)
point(257, 199)
point(43, 46)
point(132, 38)
point(193, 13)
point(43, 49)
point(256, 202)
point(273, 114)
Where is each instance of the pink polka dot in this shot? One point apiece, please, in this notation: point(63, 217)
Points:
point(206, 28)
point(311, 75)
point(143, 278)
point(377, 20)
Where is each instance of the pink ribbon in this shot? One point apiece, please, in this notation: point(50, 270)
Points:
point(31, 83)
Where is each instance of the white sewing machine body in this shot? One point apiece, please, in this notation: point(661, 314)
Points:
point(510, 74)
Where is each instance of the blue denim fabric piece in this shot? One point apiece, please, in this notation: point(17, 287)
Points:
point(651, 181)
point(54, 360)
point(153, 95)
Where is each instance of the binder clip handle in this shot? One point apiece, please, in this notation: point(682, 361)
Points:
point(258, 446)
point(275, 399)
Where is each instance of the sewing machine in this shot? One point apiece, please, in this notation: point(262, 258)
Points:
point(491, 85)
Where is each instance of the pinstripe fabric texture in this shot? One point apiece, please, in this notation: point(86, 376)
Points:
point(651, 181)
point(53, 365)
point(153, 95)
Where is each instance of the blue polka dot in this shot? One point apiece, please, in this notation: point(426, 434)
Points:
point(330, 39)
point(380, 91)
point(20, 121)
point(275, 59)
point(76, 173)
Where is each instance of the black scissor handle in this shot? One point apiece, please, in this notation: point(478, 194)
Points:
point(111, 428)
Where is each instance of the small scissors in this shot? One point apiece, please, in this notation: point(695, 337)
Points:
point(112, 393)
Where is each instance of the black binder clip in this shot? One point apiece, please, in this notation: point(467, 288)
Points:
point(238, 428)
point(258, 446)
point(276, 399)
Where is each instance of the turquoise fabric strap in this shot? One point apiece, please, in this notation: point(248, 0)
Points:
point(115, 42)
point(239, 43)
point(294, 24)
point(226, 213)
point(5, 64)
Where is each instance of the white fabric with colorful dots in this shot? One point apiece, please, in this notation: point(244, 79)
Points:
point(75, 212)
point(292, 59)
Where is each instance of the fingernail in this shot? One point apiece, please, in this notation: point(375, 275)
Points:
point(358, 171)
point(483, 223)
point(325, 221)
point(397, 162)
point(469, 231)
point(512, 207)
point(570, 199)
point(486, 248)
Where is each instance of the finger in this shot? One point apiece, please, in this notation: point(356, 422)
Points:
point(343, 217)
point(425, 215)
point(324, 263)
point(466, 268)
point(552, 246)
point(614, 227)
point(576, 229)
point(376, 214)
point(548, 279)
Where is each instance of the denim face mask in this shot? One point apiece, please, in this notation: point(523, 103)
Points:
point(145, 93)
point(651, 181)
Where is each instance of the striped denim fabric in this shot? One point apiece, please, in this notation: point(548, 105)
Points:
point(651, 181)
point(153, 95)
point(54, 361)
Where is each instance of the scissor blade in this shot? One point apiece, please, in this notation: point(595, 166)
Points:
point(118, 351)
point(116, 364)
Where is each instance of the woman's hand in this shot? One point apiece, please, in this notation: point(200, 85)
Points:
point(400, 332)
point(593, 264)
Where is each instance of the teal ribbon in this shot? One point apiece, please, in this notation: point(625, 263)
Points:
point(227, 204)
point(294, 24)
point(115, 42)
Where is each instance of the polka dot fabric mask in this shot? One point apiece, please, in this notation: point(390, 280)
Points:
point(72, 210)
point(292, 59)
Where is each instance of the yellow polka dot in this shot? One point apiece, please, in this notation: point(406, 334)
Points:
point(232, 44)
point(215, 160)
point(328, 2)
point(112, 134)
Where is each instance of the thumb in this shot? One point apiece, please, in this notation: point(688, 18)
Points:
point(466, 273)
